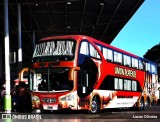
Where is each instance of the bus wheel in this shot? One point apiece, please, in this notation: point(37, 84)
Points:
point(94, 108)
point(146, 104)
point(141, 106)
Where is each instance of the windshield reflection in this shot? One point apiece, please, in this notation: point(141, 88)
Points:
point(46, 79)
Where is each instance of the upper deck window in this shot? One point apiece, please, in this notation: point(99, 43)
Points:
point(127, 60)
point(99, 47)
point(140, 65)
point(84, 48)
point(108, 54)
point(105, 53)
point(148, 67)
point(93, 52)
point(117, 57)
point(58, 49)
point(153, 68)
point(134, 63)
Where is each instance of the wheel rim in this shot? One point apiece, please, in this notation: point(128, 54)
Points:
point(141, 105)
point(94, 107)
point(146, 104)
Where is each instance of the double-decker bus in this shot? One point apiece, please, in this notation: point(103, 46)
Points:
point(78, 72)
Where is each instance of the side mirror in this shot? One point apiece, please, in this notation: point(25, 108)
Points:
point(71, 72)
point(22, 72)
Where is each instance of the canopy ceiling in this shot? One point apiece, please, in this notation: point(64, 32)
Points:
point(100, 19)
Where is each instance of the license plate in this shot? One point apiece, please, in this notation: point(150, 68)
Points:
point(50, 107)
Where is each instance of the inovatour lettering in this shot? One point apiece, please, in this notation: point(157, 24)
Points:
point(125, 72)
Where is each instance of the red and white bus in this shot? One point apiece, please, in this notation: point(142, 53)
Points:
point(79, 72)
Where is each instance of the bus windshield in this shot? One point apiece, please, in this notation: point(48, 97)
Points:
point(54, 50)
point(47, 79)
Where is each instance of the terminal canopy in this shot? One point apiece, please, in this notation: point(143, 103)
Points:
point(100, 19)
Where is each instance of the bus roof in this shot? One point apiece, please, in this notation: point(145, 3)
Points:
point(80, 37)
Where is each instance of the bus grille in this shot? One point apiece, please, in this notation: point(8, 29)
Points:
point(49, 100)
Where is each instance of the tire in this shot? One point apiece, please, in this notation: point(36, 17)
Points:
point(94, 107)
point(141, 106)
point(146, 104)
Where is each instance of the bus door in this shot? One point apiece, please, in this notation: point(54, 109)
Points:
point(88, 75)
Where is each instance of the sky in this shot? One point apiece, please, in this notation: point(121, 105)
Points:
point(142, 31)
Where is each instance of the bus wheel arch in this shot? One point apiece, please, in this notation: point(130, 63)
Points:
point(95, 105)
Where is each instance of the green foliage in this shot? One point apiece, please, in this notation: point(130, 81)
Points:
point(153, 54)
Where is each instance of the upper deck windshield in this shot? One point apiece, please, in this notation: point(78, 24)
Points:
point(55, 50)
point(47, 79)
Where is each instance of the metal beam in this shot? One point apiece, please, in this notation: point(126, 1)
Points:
point(23, 2)
point(67, 26)
point(34, 39)
point(41, 12)
point(102, 6)
point(21, 23)
point(84, 8)
point(30, 11)
point(51, 18)
point(126, 18)
point(111, 19)
point(19, 37)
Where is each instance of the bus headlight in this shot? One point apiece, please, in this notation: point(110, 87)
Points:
point(67, 98)
point(35, 98)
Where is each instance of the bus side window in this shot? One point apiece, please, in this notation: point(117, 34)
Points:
point(134, 85)
point(108, 83)
point(127, 60)
point(93, 52)
point(110, 55)
point(153, 68)
point(84, 48)
point(105, 53)
point(117, 57)
point(141, 67)
point(127, 85)
point(100, 48)
point(134, 63)
point(118, 84)
point(148, 67)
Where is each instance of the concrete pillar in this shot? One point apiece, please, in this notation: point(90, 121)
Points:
point(19, 38)
point(7, 98)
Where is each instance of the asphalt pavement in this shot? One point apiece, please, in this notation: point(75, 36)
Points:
point(118, 115)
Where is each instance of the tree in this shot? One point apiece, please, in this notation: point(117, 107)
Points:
point(154, 55)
